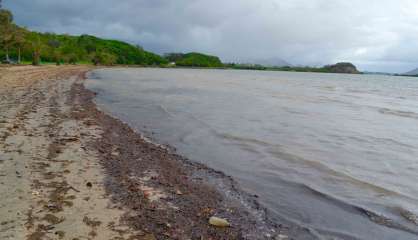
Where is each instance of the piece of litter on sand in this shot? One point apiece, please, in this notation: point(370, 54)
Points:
point(218, 222)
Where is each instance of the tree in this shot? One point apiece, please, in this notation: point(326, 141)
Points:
point(174, 57)
point(34, 40)
point(6, 31)
point(55, 44)
point(104, 58)
point(19, 39)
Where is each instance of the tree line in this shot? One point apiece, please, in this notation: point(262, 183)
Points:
point(18, 44)
point(342, 67)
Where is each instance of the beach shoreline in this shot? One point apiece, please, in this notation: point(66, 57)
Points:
point(119, 185)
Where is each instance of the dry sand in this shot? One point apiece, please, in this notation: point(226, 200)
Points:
point(44, 168)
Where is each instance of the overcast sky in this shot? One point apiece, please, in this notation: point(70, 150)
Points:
point(376, 35)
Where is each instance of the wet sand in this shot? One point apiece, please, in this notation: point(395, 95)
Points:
point(70, 171)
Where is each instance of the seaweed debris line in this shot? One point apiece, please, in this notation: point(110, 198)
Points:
point(69, 171)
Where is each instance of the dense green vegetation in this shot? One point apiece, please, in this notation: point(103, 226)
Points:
point(194, 60)
point(336, 68)
point(19, 45)
point(22, 45)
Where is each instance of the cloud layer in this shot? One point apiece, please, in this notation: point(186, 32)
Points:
point(377, 35)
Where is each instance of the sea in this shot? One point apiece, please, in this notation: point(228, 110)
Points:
point(336, 154)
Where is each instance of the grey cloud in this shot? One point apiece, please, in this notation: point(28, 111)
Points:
point(377, 35)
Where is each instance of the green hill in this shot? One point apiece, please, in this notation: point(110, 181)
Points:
point(84, 48)
point(20, 44)
point(194, 60)
point(342, 67)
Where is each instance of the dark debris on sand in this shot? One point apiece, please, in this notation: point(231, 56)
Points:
point(160, 192)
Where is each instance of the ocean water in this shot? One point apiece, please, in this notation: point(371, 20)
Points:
point(334, 153)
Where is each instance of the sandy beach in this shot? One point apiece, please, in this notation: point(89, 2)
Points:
point(70, 171)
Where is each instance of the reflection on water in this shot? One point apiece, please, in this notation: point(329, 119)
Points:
point(334, 153)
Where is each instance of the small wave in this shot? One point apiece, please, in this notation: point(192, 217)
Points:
point(244, 139)
point(385, 221)
point(368, 139)
point(165, 110)
point(344, 176)
point(408, 215)
point(399, 113)
point(349, 207)
point(329, 88)
point(373, 216)
point(390, 141)
point(293, 111)
point(278, 152)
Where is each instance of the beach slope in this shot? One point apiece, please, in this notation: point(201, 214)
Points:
point(70, 171)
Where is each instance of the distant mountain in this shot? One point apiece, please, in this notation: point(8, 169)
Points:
point(412, 73)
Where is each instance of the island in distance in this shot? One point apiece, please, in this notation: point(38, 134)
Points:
point(412, 73)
